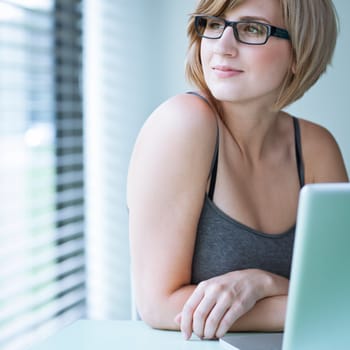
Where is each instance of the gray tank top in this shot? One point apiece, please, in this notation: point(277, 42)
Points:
point(224, 244)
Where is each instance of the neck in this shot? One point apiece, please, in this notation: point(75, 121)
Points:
point(254, 130)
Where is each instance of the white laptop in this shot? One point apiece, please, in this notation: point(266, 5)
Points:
point(318, 308)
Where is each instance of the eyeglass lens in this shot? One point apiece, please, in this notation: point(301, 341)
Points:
point(247, 32)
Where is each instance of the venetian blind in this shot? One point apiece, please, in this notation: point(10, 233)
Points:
point(42, 276)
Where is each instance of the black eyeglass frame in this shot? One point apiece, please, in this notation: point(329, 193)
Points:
point(271, 30)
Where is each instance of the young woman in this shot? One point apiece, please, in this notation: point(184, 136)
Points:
point(215, 175)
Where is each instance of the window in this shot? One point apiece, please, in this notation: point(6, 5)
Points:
point(42, 274)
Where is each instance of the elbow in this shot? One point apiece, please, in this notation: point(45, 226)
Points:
point(151, 318)
point(155, 314)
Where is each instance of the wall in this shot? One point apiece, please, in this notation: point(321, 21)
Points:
point(327, 102)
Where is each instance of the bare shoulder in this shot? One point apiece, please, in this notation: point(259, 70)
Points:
point(178, 138)
point(322, 156)
point(184, 113)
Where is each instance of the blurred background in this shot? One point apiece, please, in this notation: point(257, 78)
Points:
point(77, 80)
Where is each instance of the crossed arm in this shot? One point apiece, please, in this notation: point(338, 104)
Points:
point(237, 301)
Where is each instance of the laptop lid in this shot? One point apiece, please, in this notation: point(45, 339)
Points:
point(318, 310)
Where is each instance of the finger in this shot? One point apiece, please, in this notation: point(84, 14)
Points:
point(213, 320)
point(177, 319)
point(230, 317)
point(188, 310)
point(201, 313)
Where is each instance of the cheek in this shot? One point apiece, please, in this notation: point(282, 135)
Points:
point(203, 55)
point(205, 59)
point(273, 65)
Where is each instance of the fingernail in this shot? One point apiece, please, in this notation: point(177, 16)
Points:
point(186, 335)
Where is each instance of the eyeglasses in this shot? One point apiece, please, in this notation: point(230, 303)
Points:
point(247, 32)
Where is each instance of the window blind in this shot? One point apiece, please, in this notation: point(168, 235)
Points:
point(42, 275)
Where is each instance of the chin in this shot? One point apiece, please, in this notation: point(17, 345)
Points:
point(225, 96)
point(232, 95)
point(225, 92)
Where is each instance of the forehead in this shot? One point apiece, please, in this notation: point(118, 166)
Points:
point(270, 10)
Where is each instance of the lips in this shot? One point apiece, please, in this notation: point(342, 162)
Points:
point(224, 71)
point(223, 68)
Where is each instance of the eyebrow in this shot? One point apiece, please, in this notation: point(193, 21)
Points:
point(254, 18)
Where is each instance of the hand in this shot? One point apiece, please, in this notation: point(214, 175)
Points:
point(218, 302)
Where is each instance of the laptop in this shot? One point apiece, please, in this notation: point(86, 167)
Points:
point(318, 307)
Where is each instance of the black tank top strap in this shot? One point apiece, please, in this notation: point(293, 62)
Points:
point(214, 167)
point(214, 163)
point(298, 152)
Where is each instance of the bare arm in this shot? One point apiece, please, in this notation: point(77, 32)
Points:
point(166, 185)
point(268, 315)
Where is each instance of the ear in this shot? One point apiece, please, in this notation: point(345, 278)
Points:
point(294, 68)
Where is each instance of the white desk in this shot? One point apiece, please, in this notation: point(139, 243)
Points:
point(123, 335)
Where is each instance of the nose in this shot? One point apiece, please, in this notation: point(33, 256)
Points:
point(227, 44)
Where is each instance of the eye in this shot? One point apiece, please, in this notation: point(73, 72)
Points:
point(215, 24)
point(253, 29)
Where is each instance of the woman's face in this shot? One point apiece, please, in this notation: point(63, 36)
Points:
point(237, 72)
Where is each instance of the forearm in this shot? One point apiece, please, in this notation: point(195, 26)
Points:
point(160, 312)
point(268, 315)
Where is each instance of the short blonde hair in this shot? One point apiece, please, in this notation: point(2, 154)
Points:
point(313, 28)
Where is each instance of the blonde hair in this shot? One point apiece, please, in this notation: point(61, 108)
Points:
point(313, 28)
